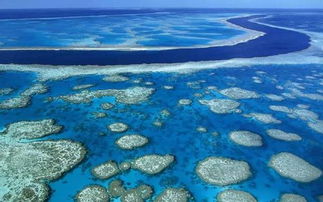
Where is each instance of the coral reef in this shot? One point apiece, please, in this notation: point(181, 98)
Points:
point(93, 193)
point(32, 129)
point(115, 78)
point(246, 138)
point(131, 141)
point(24, 98)
point(133, 95)
point(239, 93)
point(185, 102)
point(281, 135)
point(107, 106)
point(152, 164)
point(106, 170)
point(6, 91)
point(294, 167)
point(137, 194)
point(118, 127)
point(232, 195)
point(292, 198)
point(265, 118)
point(223, 171)
point(221, 106)
point(174, 194)
point(83, 86)
point(274, 97)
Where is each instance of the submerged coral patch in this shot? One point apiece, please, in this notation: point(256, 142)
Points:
point(153, 164)
point(294, 167)
point(106, 170)
point(201, 129)
point(131, 141)
point(246, 138)
point(303, 114)
point(6, 91)
point(133, 95)
point(223, 171)
point(221, 106)
point(107, 106)
point(279, 108)
point(99, 115)
point(32, 129)
point(281, 135)
point(316, 125)
point(93, 193)
point(168, 87)
point(25, 166)
point(116, 188)
point(292, 198)
point(174, 194)
point(265, 118)
point(139, 193)
point(274, 97)
point(185, 102)
point(232, 195)
point(30, 192)
point(24, 98)
point(118, 127)
point(115, 78)
point(83, 86)
point(239, 93)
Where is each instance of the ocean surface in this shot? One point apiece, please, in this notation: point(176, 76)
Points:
point(286, 32)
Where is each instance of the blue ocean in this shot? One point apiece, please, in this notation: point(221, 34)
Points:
point(190, 55)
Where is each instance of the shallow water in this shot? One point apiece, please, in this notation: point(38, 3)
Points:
point(137, 30)
point(178, 136)
point(297, 84)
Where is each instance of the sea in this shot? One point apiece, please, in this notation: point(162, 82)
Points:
point(198, 52)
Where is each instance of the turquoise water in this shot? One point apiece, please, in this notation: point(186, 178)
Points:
point(178, 136)
point(166, 29)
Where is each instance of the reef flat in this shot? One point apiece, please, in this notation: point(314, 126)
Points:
point(6, 91)
point(281, 135)
point(106, 170)
point(93, 193)
point(131, 141)
point(235, 195)
point(173, 194)
point(246, 138)
point(238, 93)
point(128, 96)
point(175, 142)
point(292, 198)
point(223, 171)
point(153, 164)
point(31, 129)
point(221, 106)
point(24, 98)
point(118, 127)
point(292, 166)
point(25, 167)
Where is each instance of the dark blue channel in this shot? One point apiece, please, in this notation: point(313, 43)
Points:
point(275, 41)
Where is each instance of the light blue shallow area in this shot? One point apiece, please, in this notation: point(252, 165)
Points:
point(140, 30)
point(179, 136)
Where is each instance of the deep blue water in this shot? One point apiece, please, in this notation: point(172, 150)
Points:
point(178, 136)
